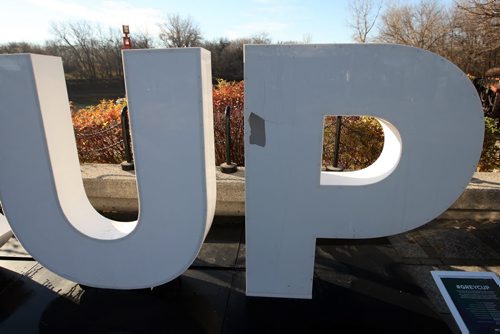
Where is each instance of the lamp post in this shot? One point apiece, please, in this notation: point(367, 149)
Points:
point(127, 43)
point(129, 163)
point(228, 167)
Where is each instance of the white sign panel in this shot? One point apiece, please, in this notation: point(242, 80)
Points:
point(41, 188)
point(433, 128)
point(473, 299)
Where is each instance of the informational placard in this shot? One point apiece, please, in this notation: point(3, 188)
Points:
point(473, 299)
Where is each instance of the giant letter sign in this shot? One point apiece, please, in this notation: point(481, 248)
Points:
point(41, 188)
point(433, 128)
point(428, 109)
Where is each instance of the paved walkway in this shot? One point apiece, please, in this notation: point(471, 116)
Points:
point(375, 286)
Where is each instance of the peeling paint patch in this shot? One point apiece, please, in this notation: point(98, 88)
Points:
point(257, 130)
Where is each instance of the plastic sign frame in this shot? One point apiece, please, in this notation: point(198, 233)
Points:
point(438, 276)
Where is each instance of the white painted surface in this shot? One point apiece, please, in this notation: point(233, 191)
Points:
point(5, 232)
point(434, 130)
point(42, 193)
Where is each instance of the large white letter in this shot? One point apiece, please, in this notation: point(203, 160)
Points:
point(42, 193)
point(433, 128)
point(5, 232)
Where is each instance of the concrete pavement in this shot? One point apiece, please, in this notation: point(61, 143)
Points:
point(111, 189)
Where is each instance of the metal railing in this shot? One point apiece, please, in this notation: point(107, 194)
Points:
point(228, 166)
point(128, 164)
point(336, 151)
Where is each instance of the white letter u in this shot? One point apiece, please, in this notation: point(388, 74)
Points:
point(42, 192)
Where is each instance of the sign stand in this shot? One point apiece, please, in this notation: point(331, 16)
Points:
point(473, 299)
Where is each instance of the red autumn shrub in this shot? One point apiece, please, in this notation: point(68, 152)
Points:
point(98, 133)
point(99, 138)
point(229, 94)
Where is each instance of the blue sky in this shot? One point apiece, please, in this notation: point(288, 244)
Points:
point(324, 21)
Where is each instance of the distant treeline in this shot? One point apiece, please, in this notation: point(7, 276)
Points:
point(92, 53)
point(467, 33)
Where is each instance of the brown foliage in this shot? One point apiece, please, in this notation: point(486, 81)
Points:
point(99, 137)
point(229, 94)
point(98, 133)
point(361, 141)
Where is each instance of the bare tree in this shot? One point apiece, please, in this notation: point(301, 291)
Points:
point(143, 40)
point(89, 51)
point(306, 38)
point(92, 51)
point(424, 25)
point(227, 56)
point(80, 39)
point(467, 33)
point(22, 47)
point(485, 9)
point(474, 40)
point(178, 32)
point(262, 37)
point(364, 15)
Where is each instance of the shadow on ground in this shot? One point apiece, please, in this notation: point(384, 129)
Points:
point(359, 286)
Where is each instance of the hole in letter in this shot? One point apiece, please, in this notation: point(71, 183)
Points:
point(369, 149)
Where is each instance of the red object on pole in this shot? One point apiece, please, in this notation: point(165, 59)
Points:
point(127, 42)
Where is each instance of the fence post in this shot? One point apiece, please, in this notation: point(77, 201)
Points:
point(228, 166)
point(335, 167)
point(129, 163)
